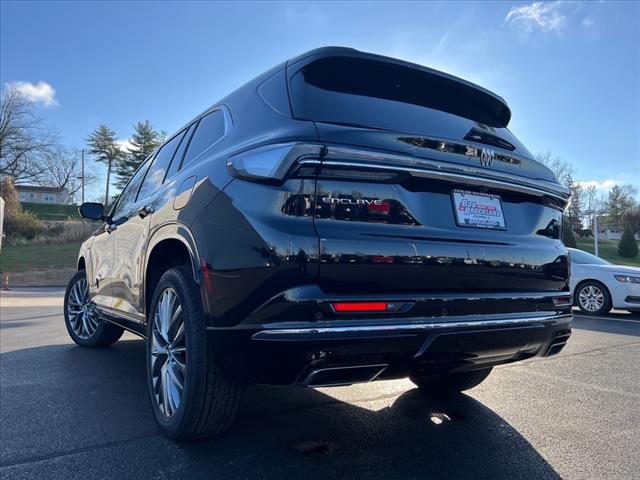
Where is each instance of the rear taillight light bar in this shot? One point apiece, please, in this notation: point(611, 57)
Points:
point(370, 307)
point(341, 307)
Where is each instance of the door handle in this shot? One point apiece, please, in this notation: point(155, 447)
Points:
point(144, 211)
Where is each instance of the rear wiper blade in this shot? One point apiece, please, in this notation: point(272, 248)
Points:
point(480, 136)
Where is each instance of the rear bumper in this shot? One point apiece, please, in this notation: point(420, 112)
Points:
point(344, 352)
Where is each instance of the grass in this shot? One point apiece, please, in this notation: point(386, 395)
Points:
point(607, 249)
point(52, 212)
point(18, 258)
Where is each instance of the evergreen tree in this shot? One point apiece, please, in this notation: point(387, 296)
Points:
point(627, 247)
point(620, 201)
point(576, 205)
point(568, 238)
point(143, 142)
point(103, 146)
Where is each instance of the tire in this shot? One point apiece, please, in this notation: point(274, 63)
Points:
point(191, 394)
point(593, 298)
point(451, 382)
point(81, 318)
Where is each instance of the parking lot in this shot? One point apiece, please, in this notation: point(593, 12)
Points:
point(68, 412)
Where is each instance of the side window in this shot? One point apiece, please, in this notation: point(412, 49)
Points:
point(156, 173)
point(128, 196)
point(177, 158)
point(210, 129)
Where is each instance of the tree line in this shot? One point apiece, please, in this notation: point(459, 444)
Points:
point(31, 152)
point(617, 208)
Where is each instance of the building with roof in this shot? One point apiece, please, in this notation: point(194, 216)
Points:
point(38, 194)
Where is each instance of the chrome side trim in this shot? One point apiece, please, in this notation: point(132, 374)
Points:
point(132, 326)
point(324, 332)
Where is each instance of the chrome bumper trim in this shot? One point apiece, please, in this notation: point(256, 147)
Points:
point(326, 332)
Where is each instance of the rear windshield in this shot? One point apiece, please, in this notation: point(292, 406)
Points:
point(367, 92)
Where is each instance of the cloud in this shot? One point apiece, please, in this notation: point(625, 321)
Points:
point(442, 42)
point(40, 92)
point(587, 22)
point(544, 16)
point(604, 185)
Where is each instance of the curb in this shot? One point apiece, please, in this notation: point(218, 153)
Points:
point(54, 277)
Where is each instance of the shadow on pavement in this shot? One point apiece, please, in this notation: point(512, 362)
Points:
point(609, 324)
point(60, 402)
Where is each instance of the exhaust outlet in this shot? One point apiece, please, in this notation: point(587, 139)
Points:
point(336, 376)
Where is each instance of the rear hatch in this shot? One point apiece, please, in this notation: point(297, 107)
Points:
point(422, 185)
point(382, 103)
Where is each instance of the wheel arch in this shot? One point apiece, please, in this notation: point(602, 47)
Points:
point(169, 246)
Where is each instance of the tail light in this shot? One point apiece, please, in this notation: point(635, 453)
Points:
point(562, 301)
point(271, 163)
point(370, 307)
point(360, 307)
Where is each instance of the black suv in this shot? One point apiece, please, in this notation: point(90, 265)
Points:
point(342, 218)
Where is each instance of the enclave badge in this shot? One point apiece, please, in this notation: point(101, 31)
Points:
point(486, 157)
point(351, 201)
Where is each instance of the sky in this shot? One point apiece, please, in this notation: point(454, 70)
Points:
point(570, 71)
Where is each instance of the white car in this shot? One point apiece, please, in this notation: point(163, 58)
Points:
point(598, 286)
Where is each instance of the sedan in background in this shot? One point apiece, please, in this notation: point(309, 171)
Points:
point(598, 286)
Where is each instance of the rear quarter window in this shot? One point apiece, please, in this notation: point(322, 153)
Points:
point(209, 130)
point(158, 170)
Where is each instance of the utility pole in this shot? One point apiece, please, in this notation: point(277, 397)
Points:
point(596, 233)
point(595, 212)
point(83, 175)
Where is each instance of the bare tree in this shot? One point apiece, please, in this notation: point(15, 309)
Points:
point(63, 169)
point(632, 219)
point(23, 138)
point(562, 169)
point(591, 197)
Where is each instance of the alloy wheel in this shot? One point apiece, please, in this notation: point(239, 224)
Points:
point(81, 313)
point(168, 353)
point(591, 298)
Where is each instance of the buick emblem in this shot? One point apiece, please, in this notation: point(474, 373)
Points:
point(486, 157)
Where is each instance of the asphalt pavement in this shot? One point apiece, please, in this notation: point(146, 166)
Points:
point(68, 412)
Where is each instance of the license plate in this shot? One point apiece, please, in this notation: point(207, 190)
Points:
point(477, 210)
